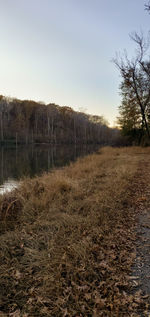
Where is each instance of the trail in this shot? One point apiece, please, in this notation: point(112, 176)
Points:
point(141, 268)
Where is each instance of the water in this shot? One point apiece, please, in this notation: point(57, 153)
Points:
point(16, 163)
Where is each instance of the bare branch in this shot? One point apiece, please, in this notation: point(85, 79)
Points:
point(147, 7)
point(135, 73)
point(142, 44)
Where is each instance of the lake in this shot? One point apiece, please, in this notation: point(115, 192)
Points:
point(21, 161)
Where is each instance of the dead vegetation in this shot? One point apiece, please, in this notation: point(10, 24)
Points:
point(67, 240)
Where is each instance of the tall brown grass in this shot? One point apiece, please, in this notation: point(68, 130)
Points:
point(65, 238)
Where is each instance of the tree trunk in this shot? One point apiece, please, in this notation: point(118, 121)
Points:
point(2, 132)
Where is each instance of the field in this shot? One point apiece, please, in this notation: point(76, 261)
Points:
point(68, 238)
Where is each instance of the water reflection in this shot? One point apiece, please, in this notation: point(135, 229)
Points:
point(16, 163)
point(8, 185)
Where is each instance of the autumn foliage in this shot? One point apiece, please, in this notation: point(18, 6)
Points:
point(27, 121)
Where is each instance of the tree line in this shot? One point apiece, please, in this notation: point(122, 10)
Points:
point(27, 121)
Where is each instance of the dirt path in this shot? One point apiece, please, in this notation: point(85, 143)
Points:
point(141, 269)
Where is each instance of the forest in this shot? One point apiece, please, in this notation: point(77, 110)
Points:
point(27, 121)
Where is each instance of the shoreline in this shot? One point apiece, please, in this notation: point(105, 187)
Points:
point(67, 238)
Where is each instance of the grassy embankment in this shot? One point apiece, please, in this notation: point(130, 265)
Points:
point(66, 239)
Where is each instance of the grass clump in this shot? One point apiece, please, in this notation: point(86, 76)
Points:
point(66, 238)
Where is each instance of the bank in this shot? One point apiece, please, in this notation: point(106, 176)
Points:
point(68, 239)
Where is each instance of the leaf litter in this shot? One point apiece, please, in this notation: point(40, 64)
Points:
point(58, 259)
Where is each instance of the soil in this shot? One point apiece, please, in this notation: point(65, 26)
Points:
point(140, 276)
point(141, 267)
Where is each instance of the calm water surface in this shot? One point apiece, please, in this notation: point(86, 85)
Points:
point(16, 163)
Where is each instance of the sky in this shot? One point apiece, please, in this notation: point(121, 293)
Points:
point(61, 51)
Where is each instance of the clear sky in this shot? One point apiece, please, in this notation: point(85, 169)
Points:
point(61, 50)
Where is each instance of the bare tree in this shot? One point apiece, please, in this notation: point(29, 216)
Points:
point(135, 73)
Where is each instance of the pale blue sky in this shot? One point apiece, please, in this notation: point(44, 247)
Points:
point(60, 50)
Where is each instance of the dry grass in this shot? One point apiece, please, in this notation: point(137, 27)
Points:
point(66, 239)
